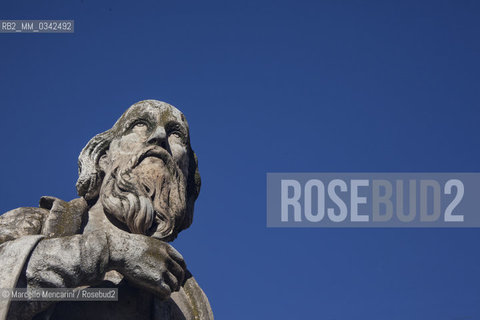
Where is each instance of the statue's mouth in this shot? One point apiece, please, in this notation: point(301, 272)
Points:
point(156, 152)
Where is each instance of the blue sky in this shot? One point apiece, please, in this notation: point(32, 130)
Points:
point(267, 86)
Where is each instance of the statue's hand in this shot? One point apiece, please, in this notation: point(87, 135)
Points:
point(149, 263)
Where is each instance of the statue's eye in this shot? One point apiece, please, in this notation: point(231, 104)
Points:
point(139, 127)
point(176, 133)
point(140, 124)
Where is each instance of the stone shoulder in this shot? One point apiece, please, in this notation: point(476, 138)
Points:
point(21, 222)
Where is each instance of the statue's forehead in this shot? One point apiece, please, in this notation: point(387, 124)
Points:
point(160, 111)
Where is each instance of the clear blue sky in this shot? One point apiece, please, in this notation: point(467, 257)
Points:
point(267, 86)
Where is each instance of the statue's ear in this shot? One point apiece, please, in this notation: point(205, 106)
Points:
point(198, 180)
point(90, 174)
point(103, 161)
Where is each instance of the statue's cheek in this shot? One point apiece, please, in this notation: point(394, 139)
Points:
point(127, 144)
point(180, 155)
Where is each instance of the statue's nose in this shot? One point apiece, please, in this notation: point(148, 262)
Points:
point(158, 137)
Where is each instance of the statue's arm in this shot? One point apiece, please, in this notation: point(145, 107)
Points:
point(82, 260)
point(66, 262)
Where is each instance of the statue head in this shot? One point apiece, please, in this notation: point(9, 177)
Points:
point(143, 170)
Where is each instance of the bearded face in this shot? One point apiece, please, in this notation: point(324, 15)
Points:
point(146, 168)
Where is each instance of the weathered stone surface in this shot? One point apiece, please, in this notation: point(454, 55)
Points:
point(138, 183)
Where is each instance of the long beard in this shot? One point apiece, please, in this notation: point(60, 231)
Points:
point(149, 198)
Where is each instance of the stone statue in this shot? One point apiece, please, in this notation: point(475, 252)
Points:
point(137, 183)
